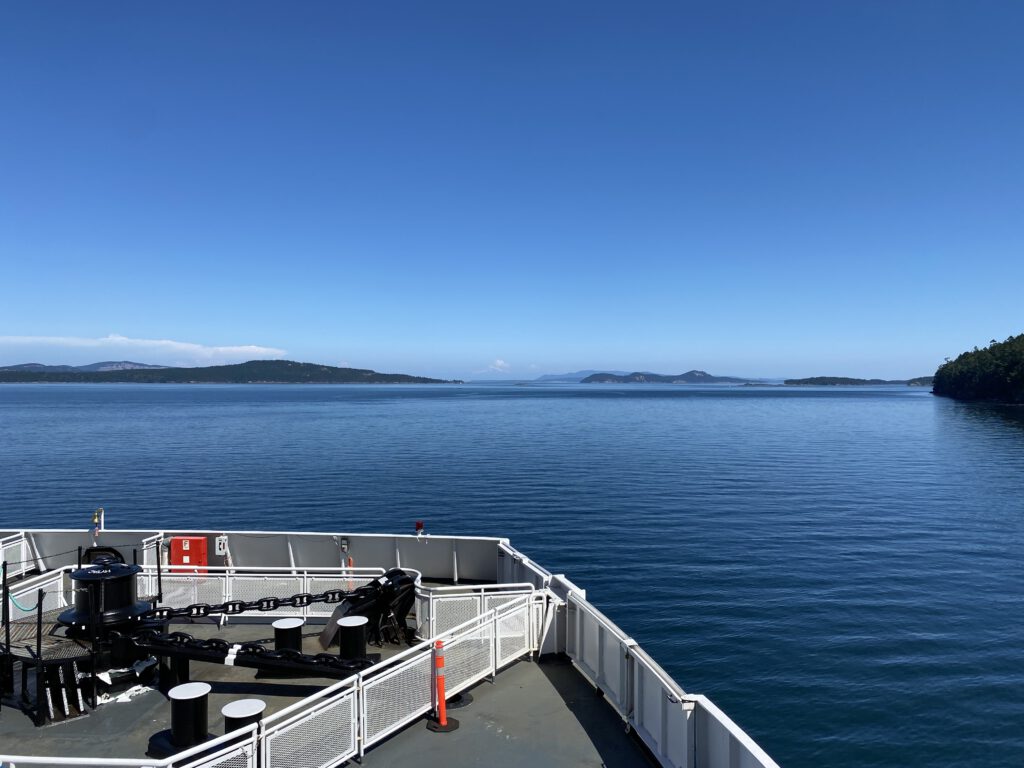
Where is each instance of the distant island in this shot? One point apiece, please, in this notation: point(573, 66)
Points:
point(644, 377)
point(575, 377)
point(994, 374)
point(845, 381)
point(252, 372)
point(106, 365)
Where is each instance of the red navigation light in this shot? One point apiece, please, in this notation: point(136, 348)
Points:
point(419, 526)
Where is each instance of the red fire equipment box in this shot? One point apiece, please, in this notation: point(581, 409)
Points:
point(188, 552)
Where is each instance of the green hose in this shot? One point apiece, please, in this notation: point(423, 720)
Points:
point(21, 607)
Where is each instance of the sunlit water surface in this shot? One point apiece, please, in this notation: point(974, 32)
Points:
point(839, 569)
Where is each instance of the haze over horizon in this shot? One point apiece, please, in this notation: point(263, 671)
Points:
point(466, 190)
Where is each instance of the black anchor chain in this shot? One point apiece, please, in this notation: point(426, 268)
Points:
point(232, 607)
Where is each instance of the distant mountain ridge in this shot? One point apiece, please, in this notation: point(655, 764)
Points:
point(645, 377)
point(575, 376)
point(107, 365)
point(252, 372)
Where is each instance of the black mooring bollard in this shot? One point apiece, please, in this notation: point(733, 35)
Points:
point(189, 714)
point(352, 637)
point(288, 634)
point(238, 714)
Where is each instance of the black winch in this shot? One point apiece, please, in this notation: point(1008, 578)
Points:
point(105, 598)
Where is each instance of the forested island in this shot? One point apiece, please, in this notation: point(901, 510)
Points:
point(252, 372)
point(994, 374)
point(644, 377)
point(845, 381)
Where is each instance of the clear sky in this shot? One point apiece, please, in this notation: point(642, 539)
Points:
point(506, 189)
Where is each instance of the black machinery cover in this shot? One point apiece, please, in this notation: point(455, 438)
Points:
point(108, 588)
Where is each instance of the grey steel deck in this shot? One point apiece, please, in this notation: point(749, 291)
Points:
point(533, 714)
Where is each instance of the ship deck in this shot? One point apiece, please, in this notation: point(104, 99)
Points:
point(533, 713)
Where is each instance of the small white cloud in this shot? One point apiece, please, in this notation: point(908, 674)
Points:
point(499, 366)
point(164, 351)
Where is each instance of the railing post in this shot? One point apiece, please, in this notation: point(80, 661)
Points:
point(40, 671)
point(7, 672)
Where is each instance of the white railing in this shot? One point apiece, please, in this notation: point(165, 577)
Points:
point(151, 549)
point(601, 650)
point(514, 566)
point(719, 741)
point(349, 717)
point(439, 609)
point(14, 551)
point(212, 584)
point(345, 719)
point(320, 730)
point(24, 595)
point(401, 690)
point(682, 731)
point(237, 749)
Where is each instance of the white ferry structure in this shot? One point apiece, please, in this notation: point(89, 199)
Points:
point(256, 649)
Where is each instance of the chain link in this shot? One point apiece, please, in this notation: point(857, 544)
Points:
point(154, 641)
point(232, 607)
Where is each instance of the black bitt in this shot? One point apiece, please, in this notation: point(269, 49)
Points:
point(352, 637)
point(288, 634)
point(189, 714)
point(239, 714)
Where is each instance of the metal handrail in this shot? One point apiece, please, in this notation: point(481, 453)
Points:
point(304, 703)
point(121, 761)
point(187, 570)
point(469, 588)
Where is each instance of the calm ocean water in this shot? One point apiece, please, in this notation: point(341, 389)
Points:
point(841, 570)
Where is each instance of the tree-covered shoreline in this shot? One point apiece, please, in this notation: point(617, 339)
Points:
point(993, 374)
point(252, 372)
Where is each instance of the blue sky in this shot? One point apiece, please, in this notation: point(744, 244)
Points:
point(509, 189)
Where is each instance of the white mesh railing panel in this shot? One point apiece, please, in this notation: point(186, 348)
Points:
point(422, 615)
point(500, 599)
point(180, 591)
point(15, 554)
point(452, 610)
point(25, 602)
point(513, 635)
point(318, 584)
point(469, 657)
point(327, 736)
point(249, 588)
point(238, 757)
point(538, 624)
point(397, 697)
point(145, 585)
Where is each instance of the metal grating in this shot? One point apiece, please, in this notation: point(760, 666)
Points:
point(324, 737)
point(318, 584)
point(23, 604)
point(254, 587)
point(15, 553)
point(180, 591)
point(422, 615)
point(451, 611)
point(240, 757)
point(469, 657)
point(498, 600)
point(538, 624)
point(397, 697)
point(513, 635)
